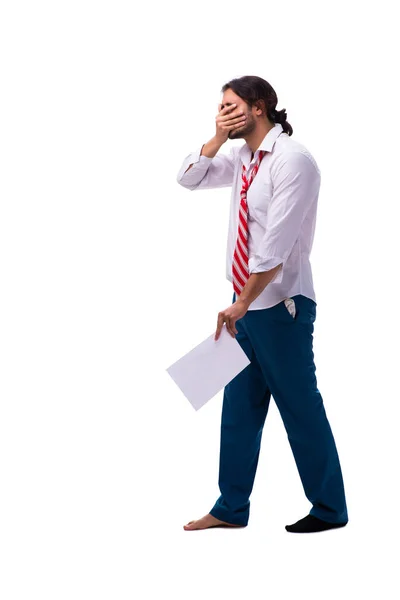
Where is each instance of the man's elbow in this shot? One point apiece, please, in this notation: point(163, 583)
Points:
point(189, 186)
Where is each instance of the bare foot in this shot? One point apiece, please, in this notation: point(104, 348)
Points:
point(206, 522)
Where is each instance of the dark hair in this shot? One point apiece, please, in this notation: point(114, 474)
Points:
point(252, 89)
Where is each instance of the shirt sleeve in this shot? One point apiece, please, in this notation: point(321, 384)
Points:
point(296, 186)
point(207, 172)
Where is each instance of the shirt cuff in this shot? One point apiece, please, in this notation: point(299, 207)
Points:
point(197, 157)
point(259, 265)
point(193, 158)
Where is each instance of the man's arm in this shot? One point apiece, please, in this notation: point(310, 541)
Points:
point(255, 284)
point(296, 185)
point(209, 150)
point(207, 168)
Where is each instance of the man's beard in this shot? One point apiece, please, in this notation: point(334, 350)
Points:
point(239, 132)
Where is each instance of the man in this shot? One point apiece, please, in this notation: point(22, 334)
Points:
point(275, 186)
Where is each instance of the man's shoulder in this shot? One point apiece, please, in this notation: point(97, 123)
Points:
point(286, 148)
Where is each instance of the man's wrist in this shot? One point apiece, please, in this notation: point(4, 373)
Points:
point(211, 148)
point(243, 302)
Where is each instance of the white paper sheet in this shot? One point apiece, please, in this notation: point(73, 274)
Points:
point(208, 368)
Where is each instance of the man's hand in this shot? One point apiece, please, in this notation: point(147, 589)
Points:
point(229, 316)
point(255, 284)
point(227, 119)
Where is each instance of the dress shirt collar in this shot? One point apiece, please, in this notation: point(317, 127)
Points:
point(267, 144)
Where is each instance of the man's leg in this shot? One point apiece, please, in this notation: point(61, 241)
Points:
point(283, 346)
point(245, 406)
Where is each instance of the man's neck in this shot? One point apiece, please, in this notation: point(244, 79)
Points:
point(255, 138)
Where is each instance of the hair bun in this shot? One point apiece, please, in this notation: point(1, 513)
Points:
point(281, 116)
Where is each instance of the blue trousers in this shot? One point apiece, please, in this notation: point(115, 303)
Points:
point(280, 349)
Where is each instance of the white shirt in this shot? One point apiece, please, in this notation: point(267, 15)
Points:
point(282, 208)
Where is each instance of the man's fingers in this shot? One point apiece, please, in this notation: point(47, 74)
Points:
point(226, 108)
point(219, 325)
point(233, 328)
point(230, 327)
point(229, 323)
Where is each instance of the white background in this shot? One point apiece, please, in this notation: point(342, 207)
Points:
point(110, 271)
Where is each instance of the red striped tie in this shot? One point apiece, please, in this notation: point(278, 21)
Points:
point(240, 266)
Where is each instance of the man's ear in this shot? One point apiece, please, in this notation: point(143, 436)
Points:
point(260, 106)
